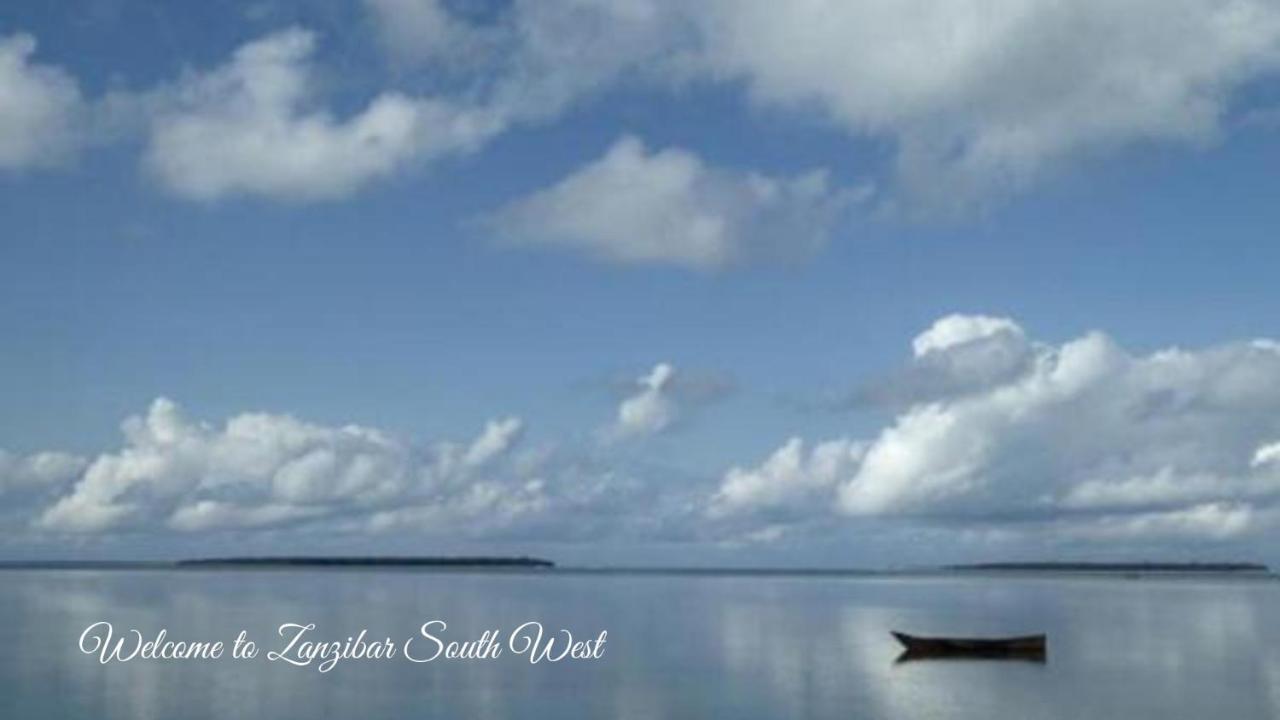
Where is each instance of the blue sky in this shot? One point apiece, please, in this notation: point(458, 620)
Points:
point(537, 264)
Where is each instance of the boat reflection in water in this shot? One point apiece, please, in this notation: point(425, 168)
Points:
point(1027, 648)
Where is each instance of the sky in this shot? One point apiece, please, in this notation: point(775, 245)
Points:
point(870, 283)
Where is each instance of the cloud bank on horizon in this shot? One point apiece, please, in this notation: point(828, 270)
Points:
point(1076, 442)
point(979, 101)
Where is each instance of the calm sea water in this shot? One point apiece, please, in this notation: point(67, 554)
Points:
point(679, 646)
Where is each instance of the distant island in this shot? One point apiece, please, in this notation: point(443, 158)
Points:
point(1127, 567)
point(302, 561)
point(370, 561)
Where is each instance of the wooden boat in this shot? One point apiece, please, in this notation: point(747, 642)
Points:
point(1025, 646)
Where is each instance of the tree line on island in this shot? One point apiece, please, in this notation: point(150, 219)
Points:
point(1128, 567)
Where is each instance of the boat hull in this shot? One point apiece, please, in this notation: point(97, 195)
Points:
point(1030, 647)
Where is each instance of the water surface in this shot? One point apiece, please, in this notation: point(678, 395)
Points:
point(747, 646)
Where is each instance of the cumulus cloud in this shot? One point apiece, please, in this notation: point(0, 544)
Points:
point(790, 484)
point(1079, 441)
point(956, 355)
point(633, 205)
point(263, 470)
point(270, 473)
point(39, 108)
point(1082, 439)
point(251, 126)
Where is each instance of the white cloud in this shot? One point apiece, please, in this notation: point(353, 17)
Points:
point(1213, 521)
point(39, 471)
point(31, 481)
point(1087, 421)
point(1083, 439)
point(260, 470)
point(1267, 455)
point(668, 206)
point(205, 515)
point(791, 483)
point(649, 411)
point(984, 97)
point(956, 355)
point(981, 98)
point(248, 127)
point(535, 60)
point(1164, 486)
point(955, 330)
point(497, 438)
point(39, 108)
point(423, 30)
point(254, 126)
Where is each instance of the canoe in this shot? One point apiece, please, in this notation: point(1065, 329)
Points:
point(1020, 646)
